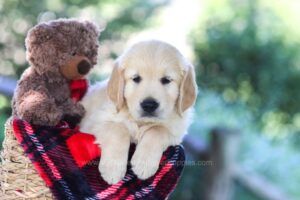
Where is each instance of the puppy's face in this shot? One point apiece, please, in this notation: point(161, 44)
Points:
point(153, 80)
point(151, 84)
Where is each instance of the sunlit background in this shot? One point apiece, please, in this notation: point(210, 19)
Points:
point(247, 59)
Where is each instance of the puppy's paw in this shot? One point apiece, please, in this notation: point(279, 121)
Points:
point(112, 170)
point(145, 164)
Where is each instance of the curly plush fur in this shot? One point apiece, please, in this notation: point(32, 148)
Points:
point(57, 51)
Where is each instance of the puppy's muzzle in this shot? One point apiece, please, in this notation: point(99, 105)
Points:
point(149, 106)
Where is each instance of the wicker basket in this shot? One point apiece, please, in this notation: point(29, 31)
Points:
point(18, 178)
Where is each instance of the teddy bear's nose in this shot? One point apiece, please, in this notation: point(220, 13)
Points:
point(83, 67)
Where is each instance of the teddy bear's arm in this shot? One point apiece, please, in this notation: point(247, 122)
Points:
point(73, 108)
point(37, 107)
point(73, 112)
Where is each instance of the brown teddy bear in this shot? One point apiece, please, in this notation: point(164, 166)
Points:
point(58, 52)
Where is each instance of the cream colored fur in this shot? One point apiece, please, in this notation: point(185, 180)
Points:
point(114, 114)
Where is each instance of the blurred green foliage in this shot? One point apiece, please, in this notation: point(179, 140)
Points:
point(2, 122)
point(248, 68)
point(248, 57)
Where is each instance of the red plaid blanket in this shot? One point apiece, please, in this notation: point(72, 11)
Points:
point(67, 160)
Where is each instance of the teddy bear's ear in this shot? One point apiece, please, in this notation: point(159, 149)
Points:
point(39, 34)
point(93, 28)
point(40, 48)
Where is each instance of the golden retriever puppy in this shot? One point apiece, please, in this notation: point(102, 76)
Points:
point(146, 101)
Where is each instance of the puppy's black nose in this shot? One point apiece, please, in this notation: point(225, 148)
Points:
point(84, 67)
point(149, 105)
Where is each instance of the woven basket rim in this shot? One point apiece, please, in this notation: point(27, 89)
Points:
point(19, 179)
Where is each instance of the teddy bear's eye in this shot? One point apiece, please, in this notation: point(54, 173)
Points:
point(73, 53)
point(89, 54)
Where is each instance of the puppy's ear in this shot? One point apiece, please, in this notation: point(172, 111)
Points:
point(187, 91)
point(115, 88)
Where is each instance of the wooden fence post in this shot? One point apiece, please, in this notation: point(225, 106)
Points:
point(222, 152)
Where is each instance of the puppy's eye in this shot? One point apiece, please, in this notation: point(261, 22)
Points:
point(137, 79)
point(165, 80)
